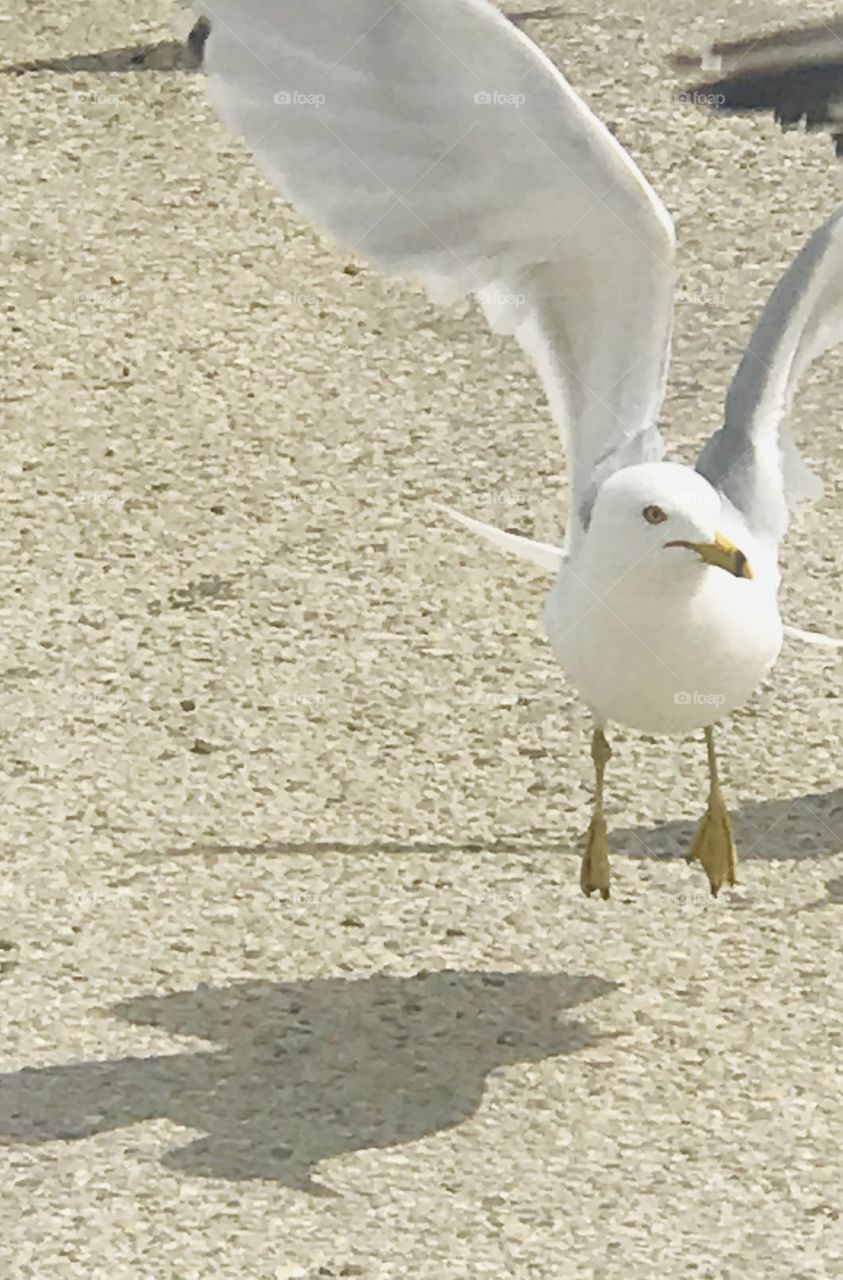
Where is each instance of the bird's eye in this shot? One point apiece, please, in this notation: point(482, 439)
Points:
point(654, 515)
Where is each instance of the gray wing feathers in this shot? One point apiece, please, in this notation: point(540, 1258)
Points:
point(436, 139)
point(753, 458)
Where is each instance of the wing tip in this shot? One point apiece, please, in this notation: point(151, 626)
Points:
point(542, 554)
point(816, 638)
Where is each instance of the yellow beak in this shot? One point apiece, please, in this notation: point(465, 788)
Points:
point(722, 553)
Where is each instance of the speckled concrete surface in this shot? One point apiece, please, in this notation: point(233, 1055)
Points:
point(297, 980)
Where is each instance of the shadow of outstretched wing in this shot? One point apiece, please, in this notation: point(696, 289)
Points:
point(308, 1070)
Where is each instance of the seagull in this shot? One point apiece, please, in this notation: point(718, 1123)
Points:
point(796, 74)
point(434, 138)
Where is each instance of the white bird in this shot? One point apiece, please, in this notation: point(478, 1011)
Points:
point(435, 138)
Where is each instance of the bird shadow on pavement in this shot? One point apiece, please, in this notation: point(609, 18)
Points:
point(809, 826)
point(307, 1070)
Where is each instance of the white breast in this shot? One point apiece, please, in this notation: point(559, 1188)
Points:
point(666, 655)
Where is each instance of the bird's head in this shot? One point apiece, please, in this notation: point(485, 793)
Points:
point(664, 519)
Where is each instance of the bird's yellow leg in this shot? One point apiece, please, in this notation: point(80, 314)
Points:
point(714, 845)
point(594, 873)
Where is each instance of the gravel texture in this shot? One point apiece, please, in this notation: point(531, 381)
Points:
point(297, 980)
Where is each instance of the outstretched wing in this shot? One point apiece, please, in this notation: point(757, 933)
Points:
point(435, 138)
point(753, 458)
point(796, 74)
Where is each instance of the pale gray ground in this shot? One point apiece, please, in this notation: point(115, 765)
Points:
point(298, 979)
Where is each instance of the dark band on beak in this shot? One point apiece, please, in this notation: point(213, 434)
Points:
point(721, 552)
